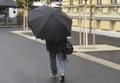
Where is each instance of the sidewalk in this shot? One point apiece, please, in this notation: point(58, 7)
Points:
point(111, 49)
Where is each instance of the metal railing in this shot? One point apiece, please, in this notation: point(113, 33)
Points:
point(11, 22)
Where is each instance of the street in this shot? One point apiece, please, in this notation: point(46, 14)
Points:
point(25, 60)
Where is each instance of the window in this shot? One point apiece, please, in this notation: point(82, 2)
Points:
point(58, 0)
point(113, 1)
point(86, 1)
point(36, 0)
point(99, 1)
point(71, 2)
point(80, 1)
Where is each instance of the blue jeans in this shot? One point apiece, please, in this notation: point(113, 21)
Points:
point(53, 63)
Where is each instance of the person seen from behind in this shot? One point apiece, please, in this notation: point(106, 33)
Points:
point(55, 49)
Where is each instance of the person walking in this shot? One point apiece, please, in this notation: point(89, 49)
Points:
point(55, 49)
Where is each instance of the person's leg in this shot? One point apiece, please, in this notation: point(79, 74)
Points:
point(62, 63)
point(53, 63)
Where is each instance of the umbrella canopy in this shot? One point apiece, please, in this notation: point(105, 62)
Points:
point(8, 3)
point(49, 23)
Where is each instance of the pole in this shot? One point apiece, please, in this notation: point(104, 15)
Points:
point(80, 26)
point(90, 16)
point(25, 12)
point(86, 28)
point(94, 31)
point(83, 24)
point(86, 37)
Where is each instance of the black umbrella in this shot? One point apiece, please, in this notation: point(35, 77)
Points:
point(8, 3)
point(49, 23)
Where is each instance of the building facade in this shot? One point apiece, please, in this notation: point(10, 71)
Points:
point(105, 12)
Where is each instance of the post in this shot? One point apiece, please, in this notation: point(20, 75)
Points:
point(80, 26)
point(86, 33)
point(25, 12)
point(83, 25)
point(25, 26)
point(90, 16)
point(94, 32)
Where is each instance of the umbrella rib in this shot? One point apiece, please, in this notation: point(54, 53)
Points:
point(62, 21)
point(45, 24)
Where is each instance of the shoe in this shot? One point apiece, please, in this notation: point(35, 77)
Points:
point(54, 76)
point(62, 78)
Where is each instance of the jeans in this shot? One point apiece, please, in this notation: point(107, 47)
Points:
point(53, 63)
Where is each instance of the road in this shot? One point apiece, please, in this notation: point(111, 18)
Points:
point(24, 60)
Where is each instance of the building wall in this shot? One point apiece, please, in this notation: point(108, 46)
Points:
point(107, 15)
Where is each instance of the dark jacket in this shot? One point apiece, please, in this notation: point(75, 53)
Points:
point(55, 46)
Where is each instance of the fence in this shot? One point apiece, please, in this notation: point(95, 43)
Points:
point(11, 22)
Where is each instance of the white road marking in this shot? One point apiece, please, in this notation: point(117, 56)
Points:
point(99, 60)
point(98, 47)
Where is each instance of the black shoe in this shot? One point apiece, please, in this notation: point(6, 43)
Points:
point(62, 78)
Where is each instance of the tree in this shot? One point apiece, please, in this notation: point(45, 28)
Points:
point(25, 3)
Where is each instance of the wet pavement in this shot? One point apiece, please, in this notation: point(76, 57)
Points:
point(112, 55)
point(23, 60)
